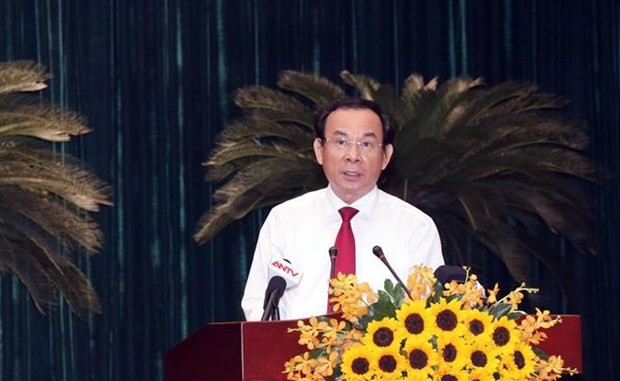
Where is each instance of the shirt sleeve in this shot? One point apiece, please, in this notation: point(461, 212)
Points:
point(258, 277)
point(426, 245)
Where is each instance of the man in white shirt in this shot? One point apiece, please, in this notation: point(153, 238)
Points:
point(353, 144)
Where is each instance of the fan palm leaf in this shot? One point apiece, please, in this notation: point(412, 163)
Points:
point(496, 167)
point(45, 197)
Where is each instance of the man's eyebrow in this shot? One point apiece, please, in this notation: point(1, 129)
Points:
point(370, 135)
point(340, 133)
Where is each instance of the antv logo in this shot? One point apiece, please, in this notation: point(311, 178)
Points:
point(285, 268)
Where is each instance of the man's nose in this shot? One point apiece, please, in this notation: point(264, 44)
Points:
point(353, 152)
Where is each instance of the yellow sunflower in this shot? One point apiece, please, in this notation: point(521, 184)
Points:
point(519, 363)
point(389, 364)
point(446, 316)
point(476, 323)
point(446, 372)
point(504, 333)
point(357, 363)
point(482, 354)
point(480, 375)
point(452, 350)
point(383, 333)
point(420, 358)
point(415, 319)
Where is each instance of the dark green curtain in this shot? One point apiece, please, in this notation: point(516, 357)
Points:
point(156, 79)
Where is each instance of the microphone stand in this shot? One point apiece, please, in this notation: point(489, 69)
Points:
point(271, 311)
point(378, 252)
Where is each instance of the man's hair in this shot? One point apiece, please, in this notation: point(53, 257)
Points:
point(355, 104)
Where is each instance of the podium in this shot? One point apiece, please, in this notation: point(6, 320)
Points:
point(234, 351)
point(257, 351)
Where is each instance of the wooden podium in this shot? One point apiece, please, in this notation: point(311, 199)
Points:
point(258, 350)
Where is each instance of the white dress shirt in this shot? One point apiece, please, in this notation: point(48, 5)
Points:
point(303, 229)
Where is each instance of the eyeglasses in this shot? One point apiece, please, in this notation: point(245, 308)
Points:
point(343, 144)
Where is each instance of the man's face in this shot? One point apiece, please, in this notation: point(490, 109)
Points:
point(351, 172)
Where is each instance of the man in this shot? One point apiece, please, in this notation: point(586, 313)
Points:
point(353, 144)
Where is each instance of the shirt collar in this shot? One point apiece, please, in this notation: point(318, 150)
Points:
point(364, 204)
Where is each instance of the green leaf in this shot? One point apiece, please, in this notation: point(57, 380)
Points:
point(437, 293)
point(395, 292)
point(500, 309)
point(514, 315)
point(382, 308)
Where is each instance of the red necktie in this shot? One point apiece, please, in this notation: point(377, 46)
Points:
point(345, 242)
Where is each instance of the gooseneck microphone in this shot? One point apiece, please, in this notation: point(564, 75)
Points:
point(282, 276)
point(378, 252)
point(333, 253)
point(274, 292)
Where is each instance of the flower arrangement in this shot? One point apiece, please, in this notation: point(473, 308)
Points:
point(441, 332)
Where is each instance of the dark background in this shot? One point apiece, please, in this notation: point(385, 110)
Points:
point(156, 79)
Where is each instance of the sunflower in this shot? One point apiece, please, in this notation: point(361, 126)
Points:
point(357, 363)
point(504, 332)
point(446, 372)
point(390, 364)
point(482, 354)
point(520, 363)
point(480, 374)
point(476, 322)
point(452, 350)
point(446, 316)
point(383, 333)
point(415, 318)
point(421, 358)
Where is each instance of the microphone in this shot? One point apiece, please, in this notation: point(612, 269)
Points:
point(274, 292)
point(282, 276)
point(446, 274)
point(284, 269)
point(333, 253)
point(378, 252)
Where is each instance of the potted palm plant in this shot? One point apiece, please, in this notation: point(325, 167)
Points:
point(495, 167)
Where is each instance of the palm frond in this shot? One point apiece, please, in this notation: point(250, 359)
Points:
point(319, 90)
point(268, 105)
point(45, 274)
point(45, 197)
point(19, 118)
point(69, 227)
point(253, 128)
point(259, 184)
point(20, 76)
point(45, 171)
point(228, 160)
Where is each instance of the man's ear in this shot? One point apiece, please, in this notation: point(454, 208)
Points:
point(318, 150)
point(387, 155)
